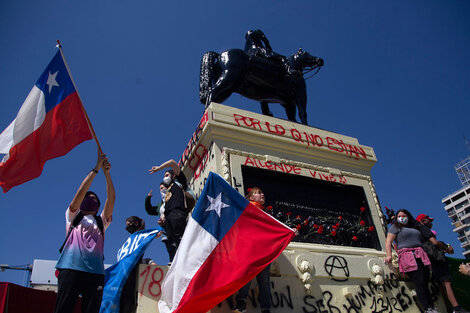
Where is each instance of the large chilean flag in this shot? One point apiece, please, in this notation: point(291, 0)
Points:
point(227, 242)
point(50, 123)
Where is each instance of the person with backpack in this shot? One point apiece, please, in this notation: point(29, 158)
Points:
point(439, 264)
point(177, 204)
point(80, 265)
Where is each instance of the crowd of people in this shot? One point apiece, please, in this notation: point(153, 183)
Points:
point(81, 268)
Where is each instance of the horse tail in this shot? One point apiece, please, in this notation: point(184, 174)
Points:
point(206, 75)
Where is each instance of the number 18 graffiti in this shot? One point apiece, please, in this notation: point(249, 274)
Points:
point(152, 282)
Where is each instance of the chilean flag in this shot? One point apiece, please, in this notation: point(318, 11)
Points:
point(50, 123)
point(227, 242)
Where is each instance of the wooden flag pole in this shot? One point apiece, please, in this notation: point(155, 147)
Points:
point(59, 45)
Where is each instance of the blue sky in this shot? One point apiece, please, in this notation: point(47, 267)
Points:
point(396, 77)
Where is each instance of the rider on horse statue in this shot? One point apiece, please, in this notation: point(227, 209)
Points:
point(258, 73)
point(257, 44)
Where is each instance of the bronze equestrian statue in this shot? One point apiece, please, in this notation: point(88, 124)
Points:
point(258, 73)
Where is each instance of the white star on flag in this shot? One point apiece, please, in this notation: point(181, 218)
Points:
point(216, 204)
point(51, 82)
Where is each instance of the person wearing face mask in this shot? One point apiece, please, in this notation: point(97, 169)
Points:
point(80, 265)
point(412, 259)
point(176, 208)
point(159, 210)
point(440, 265)
point(128, 303)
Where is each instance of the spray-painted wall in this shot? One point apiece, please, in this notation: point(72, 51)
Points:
point(317, 181)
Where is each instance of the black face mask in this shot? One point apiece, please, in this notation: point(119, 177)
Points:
point(428, 224)
point(89, 204)
point(132, 228)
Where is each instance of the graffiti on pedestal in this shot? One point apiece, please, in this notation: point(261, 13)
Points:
point(335, 266)
point(391, 297)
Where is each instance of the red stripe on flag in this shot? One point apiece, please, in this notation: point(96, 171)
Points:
point(253, 242)
point(63, 128)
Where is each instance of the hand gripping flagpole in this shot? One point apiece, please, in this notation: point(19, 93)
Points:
point(59, 45)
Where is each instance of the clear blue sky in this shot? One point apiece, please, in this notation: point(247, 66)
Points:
point(396, 77)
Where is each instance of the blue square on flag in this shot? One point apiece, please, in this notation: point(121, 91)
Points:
point(218, 207)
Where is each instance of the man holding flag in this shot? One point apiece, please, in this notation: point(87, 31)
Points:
point(218, 254)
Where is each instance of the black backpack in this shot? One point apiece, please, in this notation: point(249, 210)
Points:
point(77, 221)
point(433, 252)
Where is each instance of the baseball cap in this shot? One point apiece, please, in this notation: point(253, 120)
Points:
point(421, 217)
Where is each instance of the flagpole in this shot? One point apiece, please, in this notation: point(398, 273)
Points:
point(59, 45)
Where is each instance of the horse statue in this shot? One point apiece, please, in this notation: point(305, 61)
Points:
point(257, 78)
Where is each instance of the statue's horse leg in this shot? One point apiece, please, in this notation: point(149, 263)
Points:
point(290, 108)
point(301, 102)
point(265, 108)
point(225, 85)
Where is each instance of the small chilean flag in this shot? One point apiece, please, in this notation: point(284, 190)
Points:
point(227, 242)
point(50, 123)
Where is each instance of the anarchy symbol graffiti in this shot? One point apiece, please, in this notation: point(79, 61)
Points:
point(336, 265)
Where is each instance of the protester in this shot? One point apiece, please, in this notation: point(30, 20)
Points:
point(80, 265)
point(159, 210)
point(412, 259)
point(176, 211)
point(128, 302)
point(256, 197)
point(440, 265)
point(464, 269)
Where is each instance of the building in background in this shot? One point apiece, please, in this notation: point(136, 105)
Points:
point(457, 205)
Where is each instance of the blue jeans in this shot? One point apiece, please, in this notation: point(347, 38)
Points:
point(264, 285)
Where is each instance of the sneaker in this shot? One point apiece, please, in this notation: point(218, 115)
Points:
point(240, 307)
point(431, 310)
point(459, 309)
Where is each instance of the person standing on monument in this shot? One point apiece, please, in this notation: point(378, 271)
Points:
point(412, 259)
point(440, 265)
point(159, 210)
point(176, 209)
point(256, 197)
point(80, 265)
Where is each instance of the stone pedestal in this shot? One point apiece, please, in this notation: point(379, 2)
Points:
point(319, 182)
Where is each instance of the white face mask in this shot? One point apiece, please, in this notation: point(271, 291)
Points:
point(402, 220)
point(167, 180)
point(163, 194)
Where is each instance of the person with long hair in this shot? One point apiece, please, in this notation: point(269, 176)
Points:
point(412, 259)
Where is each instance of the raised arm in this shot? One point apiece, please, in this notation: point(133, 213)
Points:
point(110, 192)
point(86, 183)
point(151, 210)
point(170, 163)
